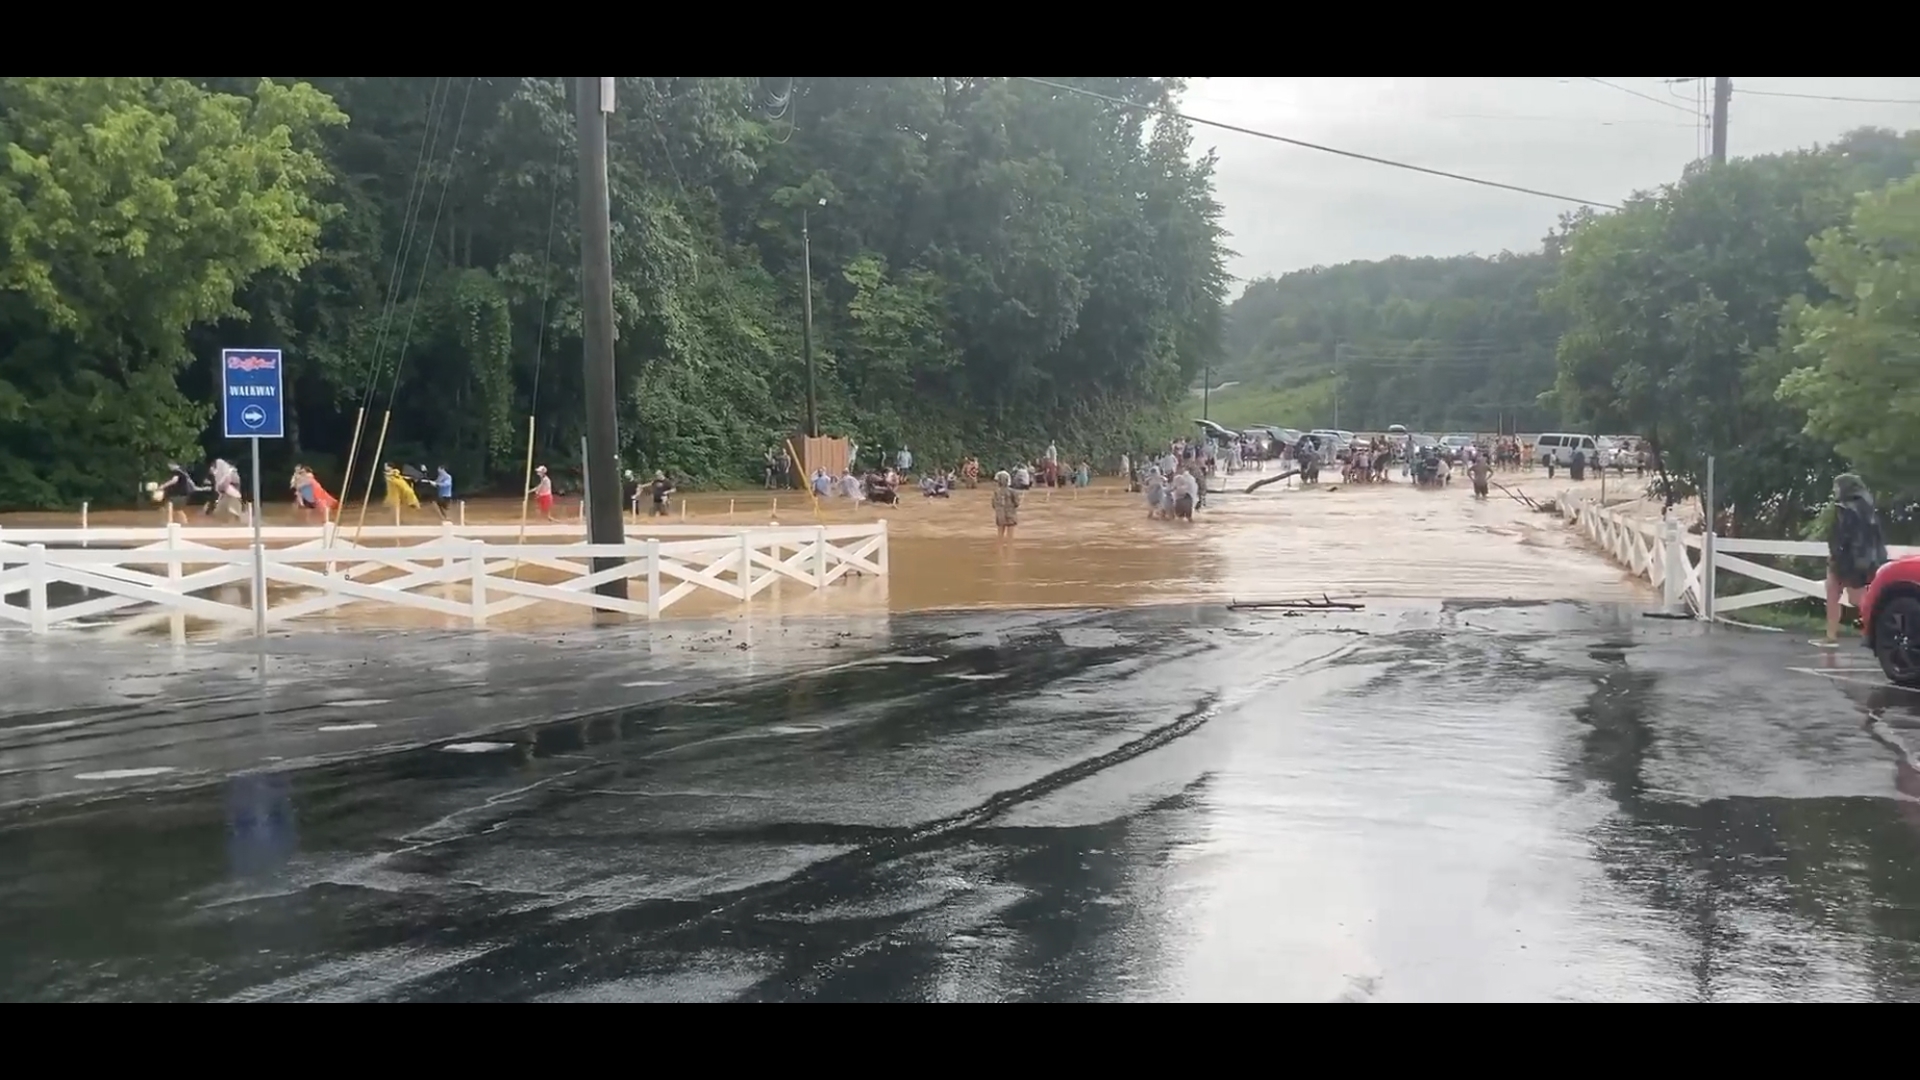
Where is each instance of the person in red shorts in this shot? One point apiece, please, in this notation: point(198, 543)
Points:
point(542, 492)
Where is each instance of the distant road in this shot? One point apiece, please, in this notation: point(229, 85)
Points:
point(1198, 390)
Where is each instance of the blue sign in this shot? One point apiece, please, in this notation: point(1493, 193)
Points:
point(250, 393)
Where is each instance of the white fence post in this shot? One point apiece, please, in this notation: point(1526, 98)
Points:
point(168, 577)
point(477, 563)
point(177, 622)
point(746, 567)
point(653, 577)
point(37, 588)
point(463, 513)
point(1673, 558)
point(1708, 570)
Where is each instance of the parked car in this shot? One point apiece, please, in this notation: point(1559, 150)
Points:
point(1890, 620)
point(1212, 430)
point(1560, 445)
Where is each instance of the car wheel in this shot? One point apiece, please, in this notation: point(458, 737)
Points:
point(1896, 639)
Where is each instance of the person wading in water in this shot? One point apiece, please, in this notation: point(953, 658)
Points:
point(1006, 505)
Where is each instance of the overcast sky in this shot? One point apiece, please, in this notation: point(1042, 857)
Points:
point(1290, 208)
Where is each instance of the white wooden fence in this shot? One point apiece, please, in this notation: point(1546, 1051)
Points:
point(1649, 548)
point(164, 572)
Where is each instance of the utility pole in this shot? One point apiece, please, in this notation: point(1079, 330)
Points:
point(806, 328)
point(1722, 96)
point(1206, 391)
point(1339, 351)
point(593, 100)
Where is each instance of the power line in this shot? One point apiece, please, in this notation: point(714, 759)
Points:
point(1695, 113)
point(433, 230)
point(1828, 97)
point(1303, 144)
point(1560, 119)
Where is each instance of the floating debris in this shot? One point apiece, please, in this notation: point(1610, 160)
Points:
point(1324, 603)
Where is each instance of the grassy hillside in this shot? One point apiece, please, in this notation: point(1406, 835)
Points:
point(1436, 344)
point(1305, 405)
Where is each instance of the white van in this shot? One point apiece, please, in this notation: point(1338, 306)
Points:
point(1560, 445)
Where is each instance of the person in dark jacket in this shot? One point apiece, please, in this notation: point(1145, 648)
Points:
point(1855, 548)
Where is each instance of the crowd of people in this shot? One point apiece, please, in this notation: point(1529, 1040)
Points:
point(1173, 479)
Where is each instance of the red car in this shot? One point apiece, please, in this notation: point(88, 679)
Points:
point(1890, 620)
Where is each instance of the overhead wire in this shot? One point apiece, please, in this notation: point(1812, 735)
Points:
point(1703, 128)
point(1602, 122)
point(426, 260)
point(539, 347)
point(403, 248)
point(413, 311)
point(1827, 97)
point(1642, 96)
point(409, 232)
point(777, 103)
point(1159, 110)
point(790, 110)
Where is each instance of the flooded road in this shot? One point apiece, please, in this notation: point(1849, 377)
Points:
point(1096, 548)
point(1428, 801)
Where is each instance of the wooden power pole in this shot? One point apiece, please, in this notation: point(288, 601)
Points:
point(606, 521)
point(1722, 96)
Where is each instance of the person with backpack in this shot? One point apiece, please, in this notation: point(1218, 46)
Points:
point(1855, 549)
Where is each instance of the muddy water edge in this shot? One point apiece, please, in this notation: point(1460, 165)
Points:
point(1095, 547)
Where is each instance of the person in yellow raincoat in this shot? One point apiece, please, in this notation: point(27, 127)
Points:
point(399, 490)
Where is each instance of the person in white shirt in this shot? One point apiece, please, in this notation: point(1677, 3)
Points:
point(1186, 493)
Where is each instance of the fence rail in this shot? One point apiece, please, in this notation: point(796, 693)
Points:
point(165, 572)
point(1647, 548)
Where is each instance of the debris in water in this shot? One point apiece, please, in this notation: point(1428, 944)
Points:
point(1258, 484)
point(476, 747)
point(1325, 603)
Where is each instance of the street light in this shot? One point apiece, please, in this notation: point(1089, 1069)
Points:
point(806, 329)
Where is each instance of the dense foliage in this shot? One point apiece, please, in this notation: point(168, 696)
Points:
point(1676, 306)
point(1436, 344)
point(1761, 312)
point(994, 264)
point(132, 210)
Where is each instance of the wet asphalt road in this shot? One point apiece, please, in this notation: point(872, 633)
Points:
point(1423, 803)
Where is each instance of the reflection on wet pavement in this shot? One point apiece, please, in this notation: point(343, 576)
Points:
point(1428, 802)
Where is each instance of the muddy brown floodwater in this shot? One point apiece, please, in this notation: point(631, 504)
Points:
point(1096, 548)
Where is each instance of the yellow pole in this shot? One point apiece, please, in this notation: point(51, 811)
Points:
point(353, 451)
point(367, 497)
point(526, 493)
point(806, 481)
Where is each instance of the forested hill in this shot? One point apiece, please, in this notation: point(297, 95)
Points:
point(1463, 343)
point(995, 265)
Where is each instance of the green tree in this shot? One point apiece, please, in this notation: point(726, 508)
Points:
point(1674, 311)
point(1438, 344)
point(997, 265)
point(132, 209)
point(1860, 383)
